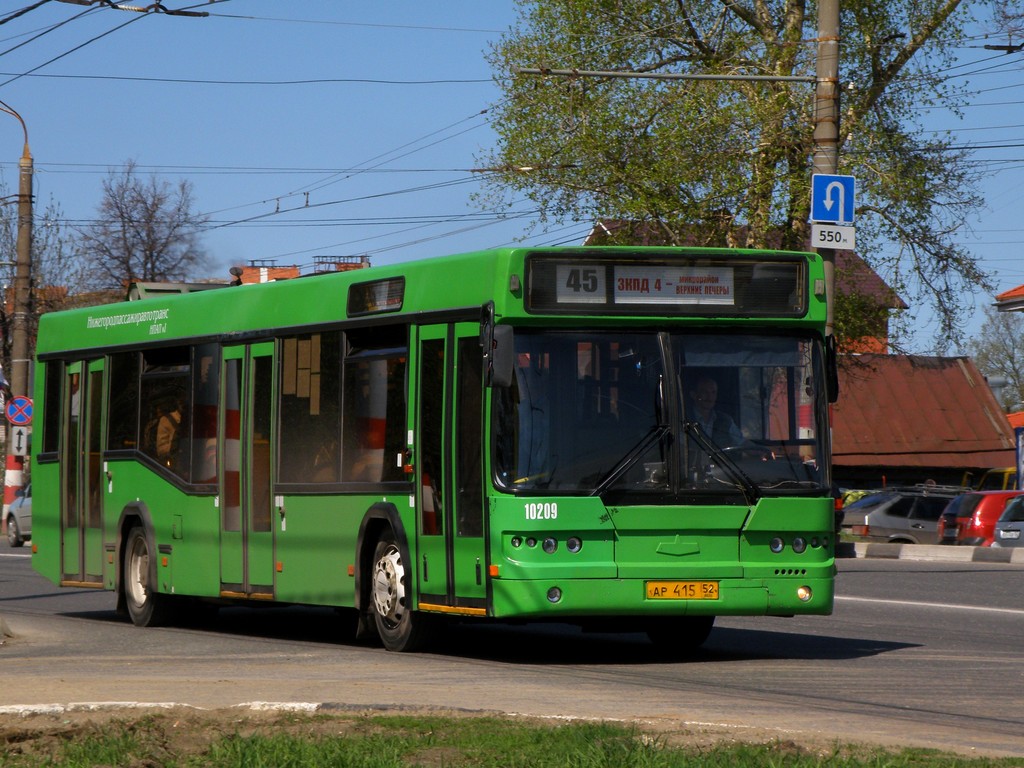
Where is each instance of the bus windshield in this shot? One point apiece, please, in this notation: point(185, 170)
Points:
point(651, 413)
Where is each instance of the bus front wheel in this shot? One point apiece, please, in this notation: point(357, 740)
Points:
point(145, 606)
point(400, 628)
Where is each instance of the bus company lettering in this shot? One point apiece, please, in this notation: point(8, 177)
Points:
point(154, 317)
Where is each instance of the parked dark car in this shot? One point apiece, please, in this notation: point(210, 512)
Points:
point(19, 519)
point(970, 519)
point(907, 515)
point(1009, 531)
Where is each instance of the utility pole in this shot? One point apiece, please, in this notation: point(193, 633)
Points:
point(826, 127)
point(14, 476)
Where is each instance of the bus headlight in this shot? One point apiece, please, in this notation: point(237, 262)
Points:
point(804, 593)
point(549, 545)
point(776, 545)
point(554, 595)
point(799, 545)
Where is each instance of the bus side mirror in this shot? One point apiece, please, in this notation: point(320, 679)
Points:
point(502, 356)
point(831, 369)
point(497, 344)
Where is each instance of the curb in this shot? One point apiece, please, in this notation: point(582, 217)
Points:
point(930, 552)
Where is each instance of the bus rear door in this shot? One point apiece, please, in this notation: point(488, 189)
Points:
point(247, 539)
point(81, 495)
point(449, 480)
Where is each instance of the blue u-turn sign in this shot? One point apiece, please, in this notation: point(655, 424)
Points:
point(832, 198)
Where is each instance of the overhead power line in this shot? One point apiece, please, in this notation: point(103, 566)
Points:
point(156, 7)
point(307, 81)
point(23, 11)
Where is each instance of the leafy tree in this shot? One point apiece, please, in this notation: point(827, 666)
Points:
point(999, 351)
point(728, 162)
point(146, 230)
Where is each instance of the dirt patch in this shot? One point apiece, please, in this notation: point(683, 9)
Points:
point(171, 734)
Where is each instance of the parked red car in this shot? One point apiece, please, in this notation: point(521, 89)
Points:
point(970, 518)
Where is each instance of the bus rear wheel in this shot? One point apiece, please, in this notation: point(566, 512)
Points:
point(399, 627)
point(680, 635)
point(146, 607)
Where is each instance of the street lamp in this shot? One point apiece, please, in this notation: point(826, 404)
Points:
point(19, 316)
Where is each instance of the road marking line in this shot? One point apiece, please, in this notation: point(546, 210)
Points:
point(3, 554)
point(941, 606)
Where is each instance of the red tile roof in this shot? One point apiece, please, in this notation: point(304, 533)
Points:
point(1013, 293)
point(1011, 300)
point(916, 411)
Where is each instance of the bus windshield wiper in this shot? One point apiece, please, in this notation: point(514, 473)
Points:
point(750, 490)
point(654, 434)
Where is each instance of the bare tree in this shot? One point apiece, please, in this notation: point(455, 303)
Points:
point(54, 262)
point(56, 272)
point(146, 230)
point(999, 351)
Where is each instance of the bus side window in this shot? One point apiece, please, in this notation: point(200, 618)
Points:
point(123, 409)
point(310, 409)
point(51, 407)
point(166, 418)
point(374, 419)
point(374, 404)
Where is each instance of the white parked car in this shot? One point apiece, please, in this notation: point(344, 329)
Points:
point(19, 519)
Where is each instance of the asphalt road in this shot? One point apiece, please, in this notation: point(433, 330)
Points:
point(921, 653)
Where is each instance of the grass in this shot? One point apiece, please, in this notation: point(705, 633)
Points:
point(294, 741)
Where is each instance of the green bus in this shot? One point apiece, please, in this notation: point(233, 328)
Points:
point(631, 439)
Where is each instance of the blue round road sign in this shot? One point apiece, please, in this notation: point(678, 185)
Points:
point(19, 411)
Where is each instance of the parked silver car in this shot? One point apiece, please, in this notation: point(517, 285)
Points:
point(1010, 525)
point(19, 519)
point(906, 515)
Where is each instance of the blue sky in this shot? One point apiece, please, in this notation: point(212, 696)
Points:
point(328, 128)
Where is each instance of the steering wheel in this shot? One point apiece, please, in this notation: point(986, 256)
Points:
point(758, 451)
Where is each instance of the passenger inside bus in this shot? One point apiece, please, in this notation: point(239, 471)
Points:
point(162, 433)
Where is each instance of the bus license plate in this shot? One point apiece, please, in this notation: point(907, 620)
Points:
point(682, 590)
point(1010, 533)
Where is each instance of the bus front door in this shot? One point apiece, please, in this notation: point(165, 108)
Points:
point(81, 492)
point(247, 538)
point(450, 501)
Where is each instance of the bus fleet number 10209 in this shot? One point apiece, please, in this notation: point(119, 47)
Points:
point(547, 510)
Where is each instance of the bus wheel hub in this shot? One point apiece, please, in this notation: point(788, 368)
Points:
point(388, 587)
